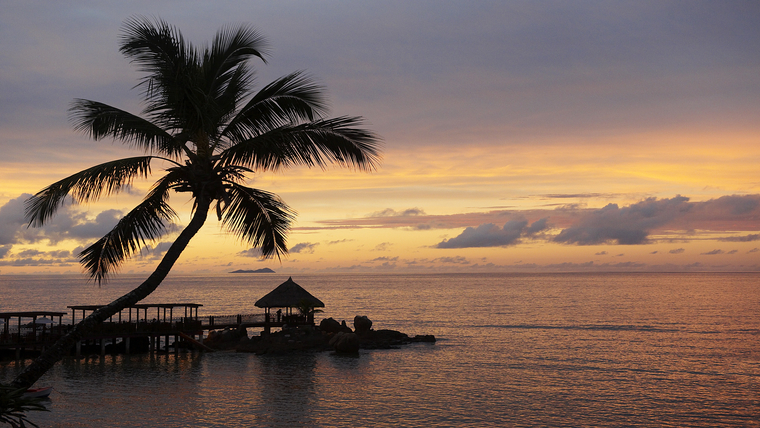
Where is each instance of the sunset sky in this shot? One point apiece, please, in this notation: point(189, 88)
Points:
point(518, 136)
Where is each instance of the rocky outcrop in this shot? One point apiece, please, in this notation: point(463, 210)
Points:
point(330, 335)
point(303, 338)
point(362, 324)
point(329, 325)
point(229, 338)
point(345, 343)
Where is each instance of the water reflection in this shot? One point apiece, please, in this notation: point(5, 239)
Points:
point(286, 388)
point(540, 350)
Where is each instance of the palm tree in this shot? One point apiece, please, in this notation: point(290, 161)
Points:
point(202, 119)
point(307, 309)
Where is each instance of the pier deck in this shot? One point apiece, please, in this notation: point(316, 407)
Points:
point(151, 325)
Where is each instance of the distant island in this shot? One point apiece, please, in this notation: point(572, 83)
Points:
point(265, 270)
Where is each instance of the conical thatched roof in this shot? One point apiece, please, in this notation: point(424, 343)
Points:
point(288, 295)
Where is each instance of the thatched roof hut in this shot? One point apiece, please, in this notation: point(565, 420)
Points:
point(288, 295)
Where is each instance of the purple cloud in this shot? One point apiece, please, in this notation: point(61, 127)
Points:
point(491, 235)
point(304, 247)
point(626, 226)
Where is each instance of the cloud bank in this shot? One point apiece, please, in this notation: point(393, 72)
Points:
point(490, 235)
point(625, 226)
point(68, 224)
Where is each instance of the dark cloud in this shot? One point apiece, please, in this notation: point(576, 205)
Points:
point(28, 253)
point(390, 212)
point(103, 223)
point(384, 259)
point(727, 213)
point(633, 224)
point(12, 220)
point(340, 241)
point(304, 247)
point(37, 262)
point(626, 226)
point(487, 235)
point(746, 238)
point(754, 250)
point(601, 253)
point(387, 266)
point(654, 252)
point(33, 257)
point(67, 224)
point(490, 235)
point(733, 252)
point(537, 227)
point(712, 253)
point(154, 252)
point(584, 226)
point(251, 252)
point(383, 246)
point(459, 260)
point(677, 251)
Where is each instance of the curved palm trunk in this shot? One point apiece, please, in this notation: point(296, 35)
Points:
point(55, 353)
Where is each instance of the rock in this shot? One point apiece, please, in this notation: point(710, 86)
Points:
point(329, 325)
point(345, 342)
point(362, 324)
point(429, 338)
point(225, 339)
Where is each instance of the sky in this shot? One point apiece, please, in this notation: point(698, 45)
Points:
point(518, 136)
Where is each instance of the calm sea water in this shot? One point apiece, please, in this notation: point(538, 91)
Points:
point(513, 350)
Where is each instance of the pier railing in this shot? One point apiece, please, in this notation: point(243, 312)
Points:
point(24, 335)
point(230, 320)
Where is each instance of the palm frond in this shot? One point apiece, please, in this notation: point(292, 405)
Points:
point(232, 48)
point(146, 222)
point(157, 47)
point(288, 100)
point(100, 120)
point(260, 218)
point(173, 81)
point(85, 186)
point(311, 144)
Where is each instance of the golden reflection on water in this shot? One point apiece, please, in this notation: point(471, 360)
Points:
point(557, 350)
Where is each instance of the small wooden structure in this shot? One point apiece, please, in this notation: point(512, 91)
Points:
point(159, 307)
point(29, 330)
point(137, 323)
point(143, 327)
point(288, 296)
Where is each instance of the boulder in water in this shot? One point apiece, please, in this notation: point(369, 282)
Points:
point(329, 325)
point(225, 339)
point(362, 324)
point(345, 343)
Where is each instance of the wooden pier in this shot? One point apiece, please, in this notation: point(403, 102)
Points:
point(139, 328)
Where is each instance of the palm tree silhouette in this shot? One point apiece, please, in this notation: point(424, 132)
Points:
point(202, 119)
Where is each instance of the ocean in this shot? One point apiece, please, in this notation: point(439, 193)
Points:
point(609, 349)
